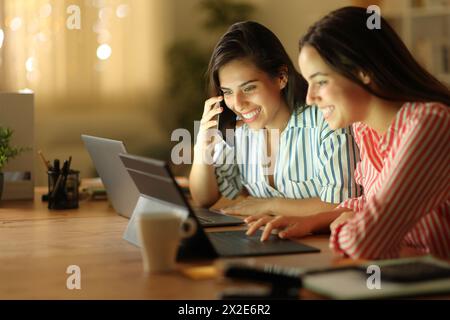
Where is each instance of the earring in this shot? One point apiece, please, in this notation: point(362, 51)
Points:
point(283, 81)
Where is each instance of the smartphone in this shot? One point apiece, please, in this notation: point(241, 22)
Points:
point(226, 120)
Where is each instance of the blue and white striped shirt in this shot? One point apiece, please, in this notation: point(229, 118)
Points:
point(312, 161)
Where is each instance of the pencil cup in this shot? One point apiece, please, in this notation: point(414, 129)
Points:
point(160, 234)
point(63, 190)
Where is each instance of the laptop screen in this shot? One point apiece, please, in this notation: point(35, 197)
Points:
point(120, 188)
point(153, 179)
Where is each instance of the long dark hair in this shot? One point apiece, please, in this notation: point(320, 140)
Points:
point(255, 42)
point(348, 46)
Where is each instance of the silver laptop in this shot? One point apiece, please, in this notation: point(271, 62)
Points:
point(121, 190)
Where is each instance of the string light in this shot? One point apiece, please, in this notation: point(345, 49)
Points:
point(104, 51)
point(15, 24)
point(122, 10)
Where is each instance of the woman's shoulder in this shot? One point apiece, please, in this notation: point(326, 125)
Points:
point(434, 108)
point(429, 119)
point(424, 112)
point(422, 123)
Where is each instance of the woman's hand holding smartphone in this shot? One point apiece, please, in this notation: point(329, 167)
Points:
point(210, 120)
point(202, 179)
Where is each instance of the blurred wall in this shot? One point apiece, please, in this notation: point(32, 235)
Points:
point(128, 110)
point(288, 19)
point(75, 91)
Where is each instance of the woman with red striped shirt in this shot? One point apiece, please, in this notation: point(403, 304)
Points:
point(401, 121)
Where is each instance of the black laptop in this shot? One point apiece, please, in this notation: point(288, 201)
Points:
point(160, 184)
point(156, 183)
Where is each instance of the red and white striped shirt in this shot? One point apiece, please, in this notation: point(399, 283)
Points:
point(405, 174)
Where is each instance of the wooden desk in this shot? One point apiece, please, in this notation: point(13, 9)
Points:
point(37, 246)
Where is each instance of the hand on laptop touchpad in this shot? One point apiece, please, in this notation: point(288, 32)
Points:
point(274, 231)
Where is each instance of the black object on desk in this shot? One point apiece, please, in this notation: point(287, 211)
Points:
point(284, 284)
point(63, 187)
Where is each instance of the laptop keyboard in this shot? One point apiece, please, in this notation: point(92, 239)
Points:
point(229, 238)
point(237, 243)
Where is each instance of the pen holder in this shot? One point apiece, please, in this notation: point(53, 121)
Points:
point(63, 190)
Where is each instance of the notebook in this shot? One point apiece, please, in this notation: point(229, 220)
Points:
point(419, 276)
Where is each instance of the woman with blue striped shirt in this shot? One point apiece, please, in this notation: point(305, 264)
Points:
point(282, 152)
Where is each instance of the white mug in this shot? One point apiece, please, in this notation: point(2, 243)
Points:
point(160, 234)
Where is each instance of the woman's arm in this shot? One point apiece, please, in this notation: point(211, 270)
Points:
point(414, 182)
point(302, 207)
point(203, 184)
point(202, 179)
point(279, 206)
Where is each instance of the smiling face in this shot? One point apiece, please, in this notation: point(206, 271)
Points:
point(342, 101)
point(254, 95)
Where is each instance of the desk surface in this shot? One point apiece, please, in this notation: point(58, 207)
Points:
point(37, 246)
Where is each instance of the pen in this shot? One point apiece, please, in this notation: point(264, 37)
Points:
point(46, 162)
point(66, 172)
point(68, 165)
point(56, 187)
point(56, 165)
point(61, 176)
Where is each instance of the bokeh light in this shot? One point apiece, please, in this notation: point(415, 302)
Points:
point(122, 10)
point(104, 51)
